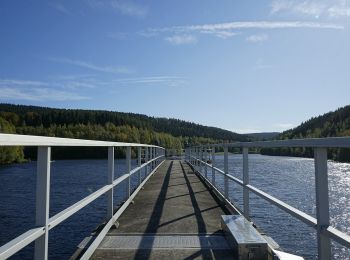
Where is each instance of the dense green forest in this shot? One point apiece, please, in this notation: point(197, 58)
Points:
point(332, 124)
point(101, 125)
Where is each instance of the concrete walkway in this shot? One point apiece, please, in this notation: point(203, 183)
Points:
point(175, 216)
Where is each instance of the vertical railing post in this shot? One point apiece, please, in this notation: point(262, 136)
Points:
point(226, 172)
point(201, 160)
point(322, 203)
point(198, 162)
point(128, 170)
point(191, 154)
point(213, 165)
point(205, 162)
point(110, 182)
point(43, 201)
point(155, 156)
point(152, 157)
point(246, 210)
point(139, 162)
point(195, 158)
point(146, 160)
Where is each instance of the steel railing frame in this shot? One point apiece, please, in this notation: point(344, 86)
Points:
point(154, 157)
point(325, 232)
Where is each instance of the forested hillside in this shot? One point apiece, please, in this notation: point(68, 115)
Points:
point(263, 136)
point(104, 125)
point(332, 124)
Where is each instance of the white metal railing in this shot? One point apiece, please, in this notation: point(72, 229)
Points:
point(197, 158)
point(154, 157)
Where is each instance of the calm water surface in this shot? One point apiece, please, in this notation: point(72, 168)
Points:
point(289, 179)
point(292, 180)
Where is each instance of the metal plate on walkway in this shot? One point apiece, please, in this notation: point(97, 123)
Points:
point(164, 242)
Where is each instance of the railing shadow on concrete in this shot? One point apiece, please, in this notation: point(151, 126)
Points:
point(153, 158)
point(198, 156)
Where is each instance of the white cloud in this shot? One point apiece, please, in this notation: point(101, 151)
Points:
point(224, 34)
point(319, 8)
point(186, 34)
point(254, 25)
point(168, 81)
point(59, 7)
point(91, 66)
point(246, 130)
point(257, 38)
point(125, 7)
point(56, 90)
point(38, 94)
point(129, 8)
point(261, 65)
point(181, 39)
point(283, 126)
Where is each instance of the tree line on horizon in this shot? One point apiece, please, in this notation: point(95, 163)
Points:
point(100, 125)
point(331, 124)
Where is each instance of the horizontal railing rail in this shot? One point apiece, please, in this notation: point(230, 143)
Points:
point(153, 155)
point(198, 156)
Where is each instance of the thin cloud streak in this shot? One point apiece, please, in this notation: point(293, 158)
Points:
point(38, 94)
point(61, 8)
point(319, 8)
point(91, 66)
point(181, 39)
point(226, 30)
point(284, 126)
point(17, 89)
point(155, 81)
point(255, 38)
point(129, 8)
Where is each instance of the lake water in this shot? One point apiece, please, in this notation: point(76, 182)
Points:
point(289, 179)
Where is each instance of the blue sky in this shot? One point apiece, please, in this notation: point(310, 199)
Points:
point(246, 66)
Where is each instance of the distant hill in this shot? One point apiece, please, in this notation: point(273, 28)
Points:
point(263, 136)
point(109, 126)
point(331, 124)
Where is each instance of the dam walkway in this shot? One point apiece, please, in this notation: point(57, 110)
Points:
point(174, 216)
point(172, 208)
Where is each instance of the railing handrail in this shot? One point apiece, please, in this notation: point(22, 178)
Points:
point(154, 156)
point(328, 142)
point(32, 140)
point(197, 157)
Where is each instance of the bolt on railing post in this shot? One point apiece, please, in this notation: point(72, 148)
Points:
point(128, 170)
point(43, 201)
point(246, 210)
point(205, 162)
point(213, 165)
point(226, 172)
point(322, 203)
point(139, 163)
point(110, 182)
